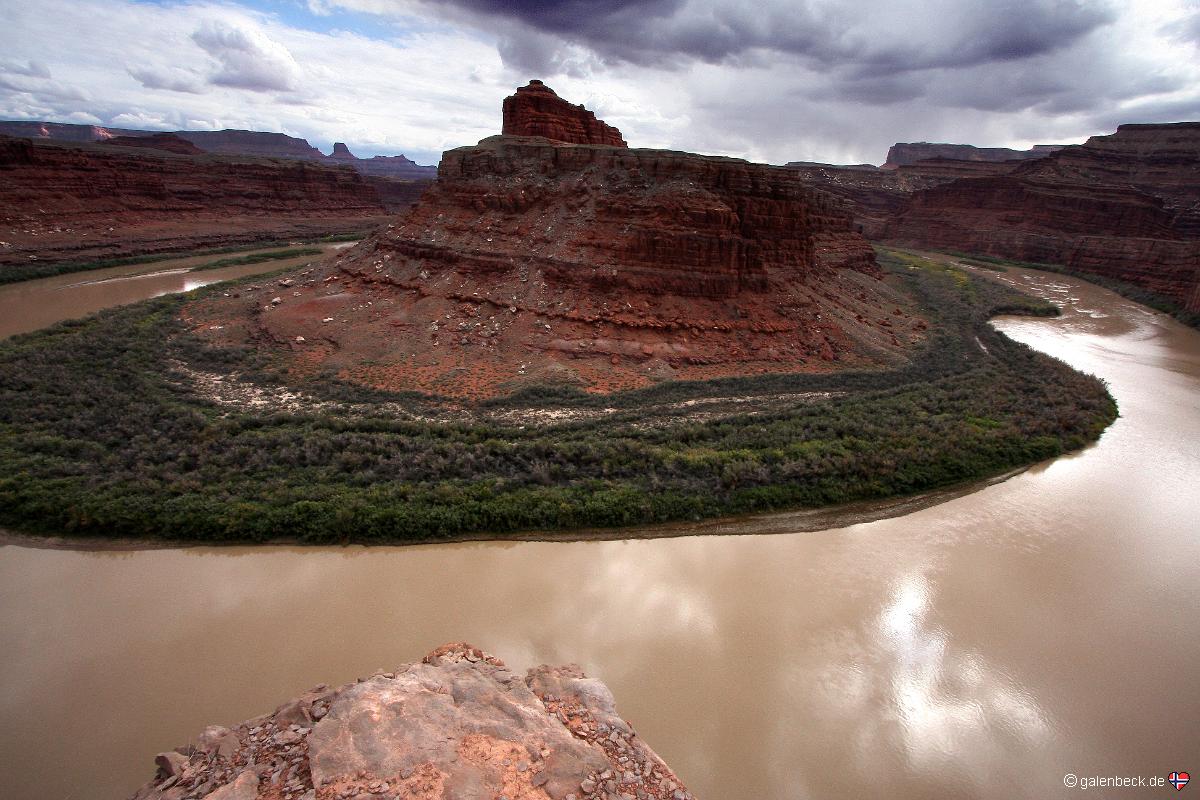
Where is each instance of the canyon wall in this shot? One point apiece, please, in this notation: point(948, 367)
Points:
point(400, 167)
point(63, 131)
point(167, 142)
point(1124, 206)
point(60, 201)
point(1162, 160)
point(877, 195)
point(260, 144)
point(252, 143)
point(873, 196)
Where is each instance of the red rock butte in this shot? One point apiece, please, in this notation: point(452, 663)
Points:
point(536, 260)
point(535, 110)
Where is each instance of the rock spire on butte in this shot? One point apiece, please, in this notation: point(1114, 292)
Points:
point(535, 110)
point(553, 254)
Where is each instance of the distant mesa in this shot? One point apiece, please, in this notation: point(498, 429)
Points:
point(167, 142)
point(342, 153)
point(232, 142)
point(61, 131)
point(818, 164)
point(536, 110)
point(903, 153)
point(84, 192)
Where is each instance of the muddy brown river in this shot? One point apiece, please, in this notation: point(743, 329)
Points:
point(988, 646)
point(30, 305)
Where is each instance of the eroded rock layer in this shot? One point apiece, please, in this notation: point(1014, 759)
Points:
point(457, 726)
point(535, 262)
point(1125, 206)
point(1161, 160)
point(79, 201)
point(535, 110)
point(877, 195)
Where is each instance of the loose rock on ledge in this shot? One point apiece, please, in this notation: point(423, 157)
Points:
point(457, 726)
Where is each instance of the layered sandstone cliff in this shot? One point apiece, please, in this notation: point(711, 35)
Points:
point(60, 201)
point(1126, 206)
point(876, 195)
point(457, 726)
point(1161, 160)
point(535, 110)
point(252, 143)
point(647, 220)
point(399, 166)
point(533, 261)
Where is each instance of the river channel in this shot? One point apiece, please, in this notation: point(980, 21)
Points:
point(982, 647)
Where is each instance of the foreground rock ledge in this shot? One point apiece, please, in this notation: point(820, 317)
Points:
point(457, 726)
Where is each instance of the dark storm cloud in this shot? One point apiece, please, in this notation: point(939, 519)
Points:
point(564, 16)
point(871, 90)
point(935, 33)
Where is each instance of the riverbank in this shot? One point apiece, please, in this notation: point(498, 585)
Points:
point(1138, 294)
point(35, 304)
point(247, 247)
point(796, 521)
point(136, 448)
point(1039, 602)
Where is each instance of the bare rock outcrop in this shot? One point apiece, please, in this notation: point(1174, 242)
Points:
point(535, 110)
point(457, 726)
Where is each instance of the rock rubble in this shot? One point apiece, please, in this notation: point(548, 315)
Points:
point(458, 725)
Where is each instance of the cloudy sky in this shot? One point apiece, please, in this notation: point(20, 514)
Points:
point(770, 80)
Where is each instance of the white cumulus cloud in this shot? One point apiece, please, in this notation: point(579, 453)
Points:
point(247, 58)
